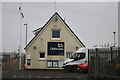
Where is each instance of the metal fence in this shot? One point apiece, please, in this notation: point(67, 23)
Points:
point(11, 63)
point(104, 62)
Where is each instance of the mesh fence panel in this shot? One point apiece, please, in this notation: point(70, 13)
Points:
point(104, 62)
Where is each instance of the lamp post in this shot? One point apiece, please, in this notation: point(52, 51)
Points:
point(21, 17)
point(26, 34)
point(114, 38)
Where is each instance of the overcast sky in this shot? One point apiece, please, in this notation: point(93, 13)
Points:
point(92, 22)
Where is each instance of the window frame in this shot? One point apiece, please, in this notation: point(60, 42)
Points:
point(69, 54)
point(59, 34)
point(29, 62)
point(42, 58)
point(50, 63)
point(58, 63)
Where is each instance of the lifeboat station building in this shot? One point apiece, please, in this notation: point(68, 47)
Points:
point(51, 45)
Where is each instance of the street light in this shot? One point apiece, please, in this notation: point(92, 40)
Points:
point(21, 16)
point(26, 33)
point(114, 38)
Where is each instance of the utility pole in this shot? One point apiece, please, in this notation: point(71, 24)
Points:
point(114, 39)
point(21, 17)
point(26, 34)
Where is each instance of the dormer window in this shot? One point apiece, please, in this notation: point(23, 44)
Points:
point(56, 34)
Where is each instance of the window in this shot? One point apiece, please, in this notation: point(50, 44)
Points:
point(49, 63)
point(55, 63)
point(68, 54)
point(42, 55)
point(28, 61)
point(61, 63)
point(55, 34)
point(81, 56)
point(78, 56)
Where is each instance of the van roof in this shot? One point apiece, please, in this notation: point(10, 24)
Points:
point(81, 50)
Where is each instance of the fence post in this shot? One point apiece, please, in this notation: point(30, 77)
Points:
point(96, 62)
point(111, 61)
point(88, 62)
point(111, 50)
point(118, 51)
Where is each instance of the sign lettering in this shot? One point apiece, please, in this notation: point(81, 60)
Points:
point(55, 48)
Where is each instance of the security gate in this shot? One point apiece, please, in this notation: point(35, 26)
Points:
point(104, 62)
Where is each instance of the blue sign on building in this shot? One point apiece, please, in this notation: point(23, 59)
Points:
point(55, 48)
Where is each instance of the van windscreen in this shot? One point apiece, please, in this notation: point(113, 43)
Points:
point(78, 56)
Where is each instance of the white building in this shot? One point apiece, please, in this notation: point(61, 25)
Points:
point(51, 45)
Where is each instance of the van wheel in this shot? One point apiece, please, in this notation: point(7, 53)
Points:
point(75, 69)
point(69, 68)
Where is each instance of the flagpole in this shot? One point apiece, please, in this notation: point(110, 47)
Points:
point(21, 16)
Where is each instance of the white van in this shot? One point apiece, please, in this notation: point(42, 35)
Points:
point(79, 57)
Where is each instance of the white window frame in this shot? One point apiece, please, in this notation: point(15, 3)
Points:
point(69, 54)
point(54, 63)
point(60, 63)
point(55, 38)
point(49, 63)
point(28, 58)
point(41, 58)
point(29, 62)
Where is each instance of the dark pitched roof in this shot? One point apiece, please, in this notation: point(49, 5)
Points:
point(47, 23)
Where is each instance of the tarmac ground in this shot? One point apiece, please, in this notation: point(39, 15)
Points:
point(43, 74)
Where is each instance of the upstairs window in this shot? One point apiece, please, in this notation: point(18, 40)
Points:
point(55, 34)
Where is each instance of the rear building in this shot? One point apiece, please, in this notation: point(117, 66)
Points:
point(51, 45)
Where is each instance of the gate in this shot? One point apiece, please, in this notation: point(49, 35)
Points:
point(104, 62)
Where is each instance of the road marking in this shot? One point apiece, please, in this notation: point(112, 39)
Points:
point(22, 76)
point(38, 76)
point(14, 76)
point(47, 77)
point(30, 76)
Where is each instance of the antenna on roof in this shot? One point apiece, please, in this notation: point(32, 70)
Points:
point(54, 6)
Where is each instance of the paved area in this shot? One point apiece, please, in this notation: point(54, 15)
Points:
point(44, 74)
